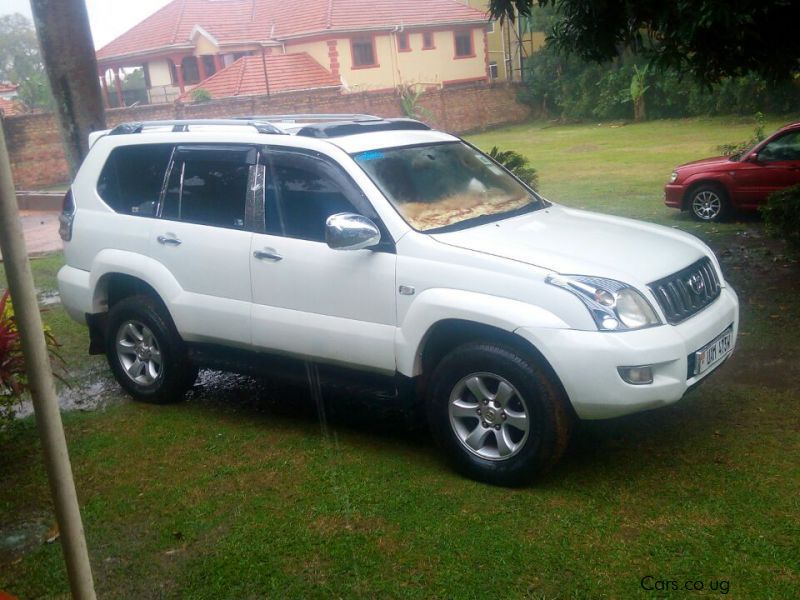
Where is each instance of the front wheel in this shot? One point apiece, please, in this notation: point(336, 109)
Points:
point(497, 415)
point(145, 352)
point(709, 203)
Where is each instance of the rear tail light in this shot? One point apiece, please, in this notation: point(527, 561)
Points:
point(67, 217)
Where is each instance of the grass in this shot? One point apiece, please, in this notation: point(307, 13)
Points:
point(238, 493)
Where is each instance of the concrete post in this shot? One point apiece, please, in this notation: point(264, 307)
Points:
point(43, 389)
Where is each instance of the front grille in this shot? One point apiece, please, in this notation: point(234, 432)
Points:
point(688, 291)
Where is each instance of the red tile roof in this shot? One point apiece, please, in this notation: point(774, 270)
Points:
point(286, 72)
point(7, 87)
point(236, 21)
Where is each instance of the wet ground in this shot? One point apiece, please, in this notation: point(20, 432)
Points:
point(41, 231)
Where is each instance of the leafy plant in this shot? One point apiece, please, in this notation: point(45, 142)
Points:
point(409, 101)
point(638, 90)
point(200, 95)
point(738, 148)
point(517, 164)
point(781, 214)
point(13, 378)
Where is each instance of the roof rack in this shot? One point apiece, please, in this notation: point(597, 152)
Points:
point(260, 125)
point(350, 127)
point(304, 117)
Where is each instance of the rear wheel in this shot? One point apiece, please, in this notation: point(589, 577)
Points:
point(145, 352)
point(497, 415)
point(709, 203)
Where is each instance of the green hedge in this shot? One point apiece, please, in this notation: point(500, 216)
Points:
point(781, 214)
point(569, 88)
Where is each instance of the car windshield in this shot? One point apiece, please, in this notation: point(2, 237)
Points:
point(450, 185)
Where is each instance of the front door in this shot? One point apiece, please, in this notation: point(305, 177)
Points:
point(777, 167)
point(309, 300)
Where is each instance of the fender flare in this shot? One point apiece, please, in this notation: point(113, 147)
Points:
point(121, 262)
point(438, 304)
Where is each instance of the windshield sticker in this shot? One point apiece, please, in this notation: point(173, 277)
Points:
point(371, 155)
point(484, 159)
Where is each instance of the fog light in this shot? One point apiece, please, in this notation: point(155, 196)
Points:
point(636, 375)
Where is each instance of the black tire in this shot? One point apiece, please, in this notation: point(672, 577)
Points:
point(709, 203)
point(160, 381)
point(549, 420)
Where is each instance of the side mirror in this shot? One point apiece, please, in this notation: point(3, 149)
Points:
point(349, 231)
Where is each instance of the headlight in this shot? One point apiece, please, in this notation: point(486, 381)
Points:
point(673, 178)
point(614, 305)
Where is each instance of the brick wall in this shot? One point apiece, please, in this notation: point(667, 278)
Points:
point(37, 157)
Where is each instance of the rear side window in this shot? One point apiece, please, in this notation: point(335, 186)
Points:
point(131, 180)
point(208, 186)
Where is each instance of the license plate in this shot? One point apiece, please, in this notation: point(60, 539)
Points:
point(712, 354)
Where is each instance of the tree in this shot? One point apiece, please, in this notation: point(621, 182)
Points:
point(708, 39)
point(21, 63)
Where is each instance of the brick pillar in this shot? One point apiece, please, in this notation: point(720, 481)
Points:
point(104, 83)
point(218, 62)
point(118, 86)
point(333, 57)
point(178, 62)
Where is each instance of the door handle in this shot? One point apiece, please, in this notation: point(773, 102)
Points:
point(168, 241)
point(267, 254)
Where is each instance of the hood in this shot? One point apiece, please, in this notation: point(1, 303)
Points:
point(576, 242)
point(705, 163)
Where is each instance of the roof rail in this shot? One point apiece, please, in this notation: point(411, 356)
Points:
point(330, 130)
point(292, 118)
point(183, 125)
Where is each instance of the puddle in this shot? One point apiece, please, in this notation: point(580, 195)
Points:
point(48, 297)
point(91, 394)
point(19, 538)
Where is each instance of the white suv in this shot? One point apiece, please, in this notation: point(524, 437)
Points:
point(392, 252)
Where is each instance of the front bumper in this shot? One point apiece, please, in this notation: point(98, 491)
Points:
point(586, 362)
point(673, 195)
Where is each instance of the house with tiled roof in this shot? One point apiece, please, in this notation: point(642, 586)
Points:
point(352, 45)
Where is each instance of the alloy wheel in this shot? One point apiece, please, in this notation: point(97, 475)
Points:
point(707, 205)
point(138, 352)
point(489, 416)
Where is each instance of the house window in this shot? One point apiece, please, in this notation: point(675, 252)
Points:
point(493, 70)
point(427, 40)
point(363, 50)
point(463, 42)
point(490, 27)
point(191, 74)
point(208, 63)
point(402, 43)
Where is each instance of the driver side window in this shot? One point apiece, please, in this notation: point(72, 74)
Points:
point(306, 190)
point(785, 148)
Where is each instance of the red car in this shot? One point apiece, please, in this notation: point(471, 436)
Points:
point(714, 188)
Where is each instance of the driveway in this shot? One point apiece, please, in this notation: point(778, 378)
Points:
point(41, 231)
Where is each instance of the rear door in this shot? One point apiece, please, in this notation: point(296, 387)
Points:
point(203, 239)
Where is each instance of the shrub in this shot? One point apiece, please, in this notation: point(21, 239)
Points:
point(781, 214)
point(200, 95)
point(739, 147)
point(13, 379)
point(409, 101)
point(517, 164)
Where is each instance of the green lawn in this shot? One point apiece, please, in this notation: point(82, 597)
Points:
point(238, 493)
point(619, 168)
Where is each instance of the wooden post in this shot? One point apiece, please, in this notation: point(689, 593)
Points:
point(43, 389)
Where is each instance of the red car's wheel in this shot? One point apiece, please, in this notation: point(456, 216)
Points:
point(708, 203)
